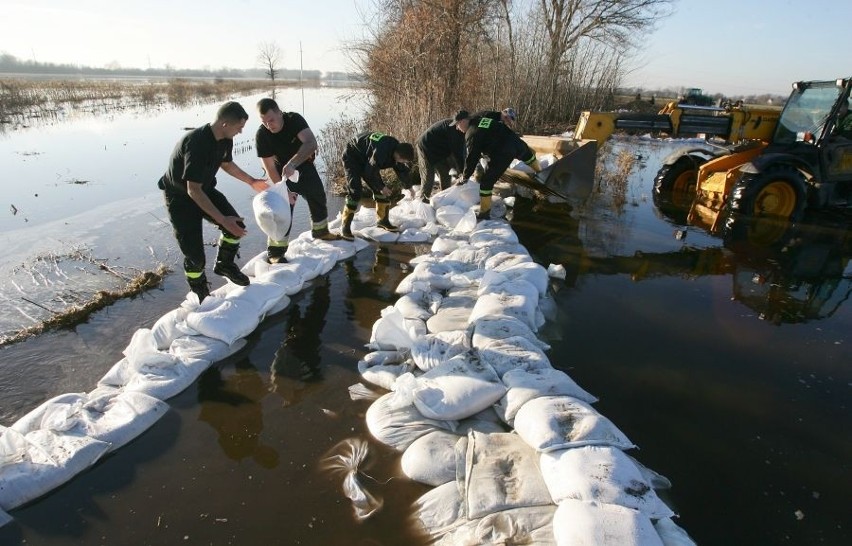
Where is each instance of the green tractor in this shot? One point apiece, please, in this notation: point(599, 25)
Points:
point(805, 164)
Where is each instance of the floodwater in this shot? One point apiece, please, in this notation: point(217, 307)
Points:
point(726, 360)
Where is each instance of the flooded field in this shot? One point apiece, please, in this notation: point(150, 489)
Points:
point(726, 360)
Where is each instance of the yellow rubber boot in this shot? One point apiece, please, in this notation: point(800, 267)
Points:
point(346, 224)
point(484, 208)
point(383, 222)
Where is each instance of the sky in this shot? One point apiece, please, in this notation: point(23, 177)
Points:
point(735, 47)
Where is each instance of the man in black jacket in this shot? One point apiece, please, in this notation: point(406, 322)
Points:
point(364, 158)
point(485, 137)
point(439, 149)
point(189, 189)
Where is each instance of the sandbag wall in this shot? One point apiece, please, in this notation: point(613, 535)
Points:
point(513, 448)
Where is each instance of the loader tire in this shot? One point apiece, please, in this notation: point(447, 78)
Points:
point(674, 187)
point(778, 192)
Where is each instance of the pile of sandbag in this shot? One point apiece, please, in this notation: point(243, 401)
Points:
point(69, 433)
point(514, 449)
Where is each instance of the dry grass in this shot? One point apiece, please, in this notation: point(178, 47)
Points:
point(80, 313)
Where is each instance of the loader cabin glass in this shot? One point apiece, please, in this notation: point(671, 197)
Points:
point(807, 111)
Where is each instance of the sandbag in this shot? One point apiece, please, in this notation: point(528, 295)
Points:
point(440, 509)
point(431, 350)
point(272, 211)
point(584, 523)
point(457, 388)
point(501, 472)
point(165, 330)
point(671, 534)
point(383, 368)
point(223, 319)
point(190, 348)
point(525, 385)
point(390, 332)
point(514, 353)
point(602, 474)
point(431, 459)
point(505, 304)
point(551, 423)
point(394, 421)
point(488, 329)
point(34, 463)
point(527, 525)
point(418, 304)
point(454, 311)
point(161, 382)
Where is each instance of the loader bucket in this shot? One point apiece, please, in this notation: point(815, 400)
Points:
point(570, 177)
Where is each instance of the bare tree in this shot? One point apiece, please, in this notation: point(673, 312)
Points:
point(268, 57)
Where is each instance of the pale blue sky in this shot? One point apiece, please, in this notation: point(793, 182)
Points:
point(730, 46)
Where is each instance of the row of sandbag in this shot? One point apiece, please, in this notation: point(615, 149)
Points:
point(513, 448)
point(69, 433)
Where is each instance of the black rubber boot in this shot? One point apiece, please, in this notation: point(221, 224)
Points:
point(200, 286)
point(275, 254)
point(226, 266)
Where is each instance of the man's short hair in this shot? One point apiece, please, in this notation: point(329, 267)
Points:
point(267, 104)
point(405, 151)
point(231, 111)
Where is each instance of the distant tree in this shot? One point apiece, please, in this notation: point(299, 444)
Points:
point(268, 57)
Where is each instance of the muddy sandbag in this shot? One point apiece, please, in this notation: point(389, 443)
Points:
point(418, 304)
point(487, 330)
point(530, 272)
point(520, 305)
point(223, 319)
point(383, 368)
point(671, 534)
point(525, 385)
point(272, 211)
point(602, 474)
point(485, 422)
point(431, 459)
point(35, 463)
point(454, 311)
point(527, 525)
point(501, 472)
point(394, 421)
point(589, 523)
point(439, 509)
point(430, 350)
point(508, 258)
point(514, 353)
point(106, 414)
point(551, 423)
point(457, 388)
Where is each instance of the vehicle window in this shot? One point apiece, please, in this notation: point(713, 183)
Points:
point(806, 112)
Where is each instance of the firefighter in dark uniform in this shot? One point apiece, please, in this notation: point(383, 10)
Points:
point(439, 149)
point(285, 144)
point(485, 137)
point(365, 156)
point(189, 188)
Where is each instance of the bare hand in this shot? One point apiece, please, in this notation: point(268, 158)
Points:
point(293, 196)
point(234, 225)
point(259, 185)
point(287, 171)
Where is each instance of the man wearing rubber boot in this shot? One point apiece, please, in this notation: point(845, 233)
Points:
point(485, 137)
point(439, 149)
point(286, 145)
point(364, 158)
point(189, 189)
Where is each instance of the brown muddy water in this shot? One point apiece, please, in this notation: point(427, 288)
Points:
point(726, 361)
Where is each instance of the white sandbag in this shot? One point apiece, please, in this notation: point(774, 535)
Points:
point(412, 235)
point(527, 525)
point(449, 215)
point(285, 275)
point(394, 421)
point(550, 423)
point(444, 244)
point(411, 213)
point(225, 320)
point(416, 304)
point(307, 247)
point(514, 353)
point(416, 328)
point(260, 295)
point(390, 332)
point(487, 330)
point(454, 311)
point(499, 234)
point(457, 388)
point(380, 235)
point(466, 223)
point(502, 304)
point(161, 382)
point(463, 196)
point(108, 415)
point(440, 509)
point(272, 211)
point(308, 267)
point(557, 271)
point(525, 385)
point(671, 534)
point(583, 523)
point(602, 474)
point(430, 350)
point(485, 422)
point(40, 461)
point(383, 374)
point(531, 272)
point(190, 348)
point(508, 258)
point(501, 472)
point(165, 329)
point(431, 459)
